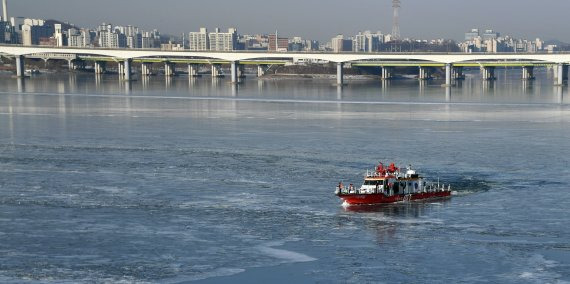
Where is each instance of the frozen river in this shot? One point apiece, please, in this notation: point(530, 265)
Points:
point(182, 180)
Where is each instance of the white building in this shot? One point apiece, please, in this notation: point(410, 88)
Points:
point(336, 43)
point(111, 39)
point(78, 38)
point(150, 39)
point(367, 42)
point(198, 41)
point(134, 41)
point(58, 35)
point(223, 41)
point(339, 44)
point(33, 30)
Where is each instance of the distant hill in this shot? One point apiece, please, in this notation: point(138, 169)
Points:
point(555, 42)
point(64, 26)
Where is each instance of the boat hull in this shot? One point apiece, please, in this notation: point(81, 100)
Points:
point(370, 199)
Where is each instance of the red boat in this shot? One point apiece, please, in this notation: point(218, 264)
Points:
point(388, 185)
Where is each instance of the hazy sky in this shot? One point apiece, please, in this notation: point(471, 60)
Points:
point(317, 19)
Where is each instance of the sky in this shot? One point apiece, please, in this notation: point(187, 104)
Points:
point(314, 19)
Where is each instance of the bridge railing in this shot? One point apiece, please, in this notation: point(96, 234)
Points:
point(291, 52)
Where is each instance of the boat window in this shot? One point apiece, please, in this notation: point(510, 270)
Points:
point(416, 185)
point(374, 182)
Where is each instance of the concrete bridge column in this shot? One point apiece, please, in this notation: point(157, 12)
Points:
point(234, 71)
point(339, 74)
point(458, 73)
point(20, 71)
point(488, 73)
point(127, 69)
point(72, 64)
point(424, 73)
point(121, 69)
point(145, 69)
point(169, 68)
point(216, 71)
point(99, 67)
point(448, 68)
point(193, 70)
point(260, 70)
point(561, 74)
point(528, 72)
point(387, 73)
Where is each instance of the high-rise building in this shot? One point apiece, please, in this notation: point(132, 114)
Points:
point(33, 30)
point(220, 41)
point(109, 37)
point(339, 44)
point(58, 35)
point(4, 26)
point(539, 44)
point(150, 39)
point(312, 45)
point(112, 39)
point(367, 42)
point(471, 35)
point(8, 33)
point(126, 37)
point(490, 34)
point(198, 41)
point(78, 38)
point(134, 41)
point(278, 43)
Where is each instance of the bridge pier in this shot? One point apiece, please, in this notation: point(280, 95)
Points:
point(234, 71)
point(260, 70)
point(424, 73)
point(127, 69)
point(99, 67)
point(387, 73)
point(528, 72)
point(146, 69)
point(121, 69)
point(458, 73)
point(561, 74)
point(339, 74)
point(20, 61)
point(169, 69)
point(448, 68)
point(488, 73)
point(193, 70)
point(216, 71)
point(71, 64)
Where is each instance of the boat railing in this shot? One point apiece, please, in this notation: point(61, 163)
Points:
point(351, 189)
point(376, 174)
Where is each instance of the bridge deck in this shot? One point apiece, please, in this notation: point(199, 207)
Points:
point(420, 59)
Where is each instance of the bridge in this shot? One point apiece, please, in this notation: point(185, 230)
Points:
point(451, 62)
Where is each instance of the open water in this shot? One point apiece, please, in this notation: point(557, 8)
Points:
point(175, 181)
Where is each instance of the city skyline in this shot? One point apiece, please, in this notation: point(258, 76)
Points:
point(314, 20)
